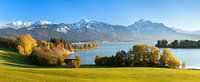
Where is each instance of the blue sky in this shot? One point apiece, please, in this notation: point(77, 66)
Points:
point(184, 14)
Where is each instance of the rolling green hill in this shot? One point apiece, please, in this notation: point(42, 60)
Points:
point(14, 68)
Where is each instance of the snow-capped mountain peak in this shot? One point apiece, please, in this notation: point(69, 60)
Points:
point(19, 24)
point(63, 29)
point(24, 24)
point(43, 22)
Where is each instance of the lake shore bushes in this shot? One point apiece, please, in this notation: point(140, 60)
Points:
point(140, 56)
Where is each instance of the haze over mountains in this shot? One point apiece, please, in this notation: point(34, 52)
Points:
point(86, 30)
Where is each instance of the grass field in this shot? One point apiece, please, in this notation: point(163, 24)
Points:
point(14, 68)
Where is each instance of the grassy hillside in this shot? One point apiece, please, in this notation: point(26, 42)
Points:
point(14, 68)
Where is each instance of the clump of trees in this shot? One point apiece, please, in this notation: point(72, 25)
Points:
point(46, 56)
point(178, 44)
point(46, 53)
point(162, 43)
point(140, 56)
point(46, 44)
point(57, 41)
point(87, 46)
point(119, 60)
point(25, 44)
point(73, 47)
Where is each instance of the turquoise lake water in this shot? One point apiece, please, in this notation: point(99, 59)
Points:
point(191, 56)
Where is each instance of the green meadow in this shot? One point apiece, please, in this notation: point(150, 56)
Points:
point(15, 68)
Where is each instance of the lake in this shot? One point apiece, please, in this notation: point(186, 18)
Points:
point(191, 56)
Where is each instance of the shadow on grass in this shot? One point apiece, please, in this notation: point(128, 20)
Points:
point(14, 59)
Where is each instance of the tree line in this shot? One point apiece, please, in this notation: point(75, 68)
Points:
point(178, 44)
point(8, 42)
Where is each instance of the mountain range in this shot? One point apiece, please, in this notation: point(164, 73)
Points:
point(86, 30)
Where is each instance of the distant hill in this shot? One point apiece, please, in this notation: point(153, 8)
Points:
point(86, 30)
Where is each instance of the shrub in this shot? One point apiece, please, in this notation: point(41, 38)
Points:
point(183, 65)
point(78, 62)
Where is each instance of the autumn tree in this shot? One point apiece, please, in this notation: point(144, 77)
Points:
point(120, 58)
point(168, 60)
point(140, 54)
point(154, 57)
point(174, 63)
point(25, 44)
point(166, 57)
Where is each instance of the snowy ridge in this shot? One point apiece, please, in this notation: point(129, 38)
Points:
point(63, 29)
point(29, 25)
point(19, 24)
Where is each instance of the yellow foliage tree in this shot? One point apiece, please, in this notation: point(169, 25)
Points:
point(166, 57)
point(168, 60)
point(174, 63)
point(155, 54)
point(25, 44)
